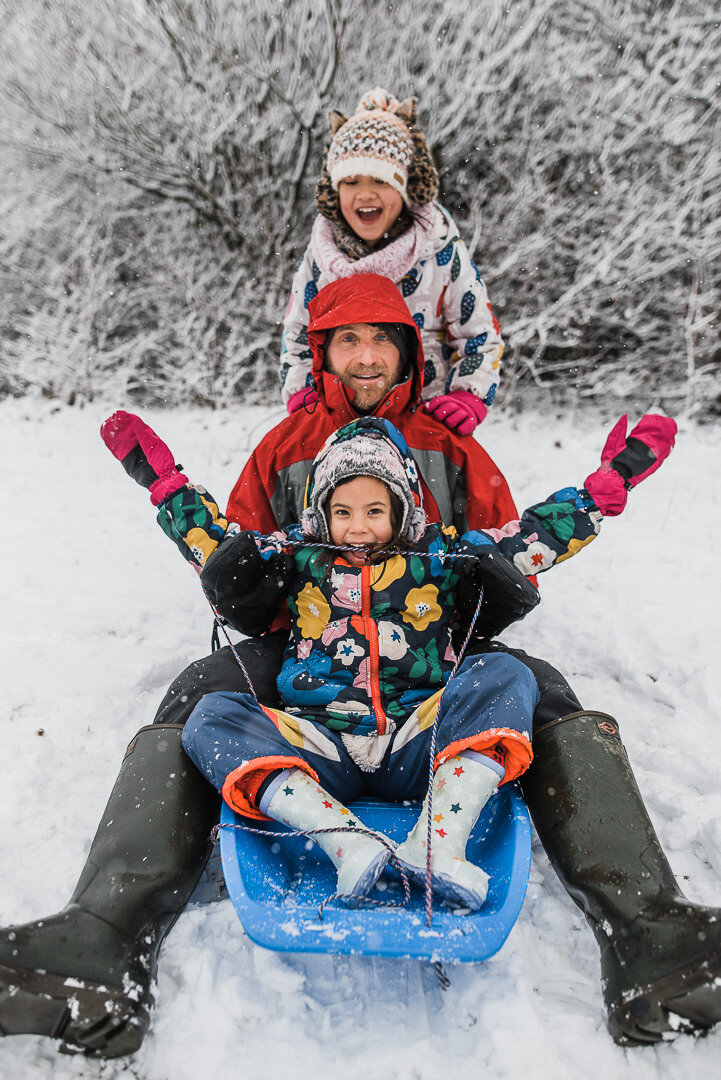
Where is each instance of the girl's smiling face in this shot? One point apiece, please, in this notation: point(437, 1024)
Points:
point(370, 207)
point(359, 513)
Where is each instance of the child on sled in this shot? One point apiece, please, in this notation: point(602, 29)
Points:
point(377, 214)
point(372, 593)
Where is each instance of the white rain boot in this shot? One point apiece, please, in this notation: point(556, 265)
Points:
point(295, 799)
point(461, 788)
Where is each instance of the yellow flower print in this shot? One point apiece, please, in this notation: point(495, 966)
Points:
point(422, 607)
point(313, 611)
point(384, 574)
point(200, 543)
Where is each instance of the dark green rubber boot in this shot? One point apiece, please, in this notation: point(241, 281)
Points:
point(85, 975)
point(660, 953)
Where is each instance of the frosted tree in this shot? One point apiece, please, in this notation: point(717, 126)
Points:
point(164, 155)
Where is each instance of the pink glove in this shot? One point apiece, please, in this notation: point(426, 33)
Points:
point(461, 411)
point(143, 455)
point(301, 399)
point(626, 461)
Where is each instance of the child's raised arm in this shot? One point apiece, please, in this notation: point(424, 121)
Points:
point(554, 530)
point(186, 512)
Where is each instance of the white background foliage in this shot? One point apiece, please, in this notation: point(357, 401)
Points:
point(160, 159)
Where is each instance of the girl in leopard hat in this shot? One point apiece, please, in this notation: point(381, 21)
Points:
point(377, 214)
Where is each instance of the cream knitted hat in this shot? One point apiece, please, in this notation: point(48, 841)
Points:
point(374, 142)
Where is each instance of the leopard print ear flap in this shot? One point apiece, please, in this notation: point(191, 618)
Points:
point(326, 197)
point(422, 173)
point(336, 120)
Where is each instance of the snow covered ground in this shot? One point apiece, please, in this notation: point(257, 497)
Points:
point(100, 613)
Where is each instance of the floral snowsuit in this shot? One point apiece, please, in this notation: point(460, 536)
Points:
point(369, 654)
point(445, 294)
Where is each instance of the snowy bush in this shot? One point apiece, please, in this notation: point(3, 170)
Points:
point(162, 157)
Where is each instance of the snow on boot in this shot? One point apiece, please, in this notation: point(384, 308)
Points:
point(461, 788)
point(660, 952)
point(85, 975)
point(296, 800)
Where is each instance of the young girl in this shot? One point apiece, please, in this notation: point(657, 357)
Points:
point(364, 670)
point(376, 214)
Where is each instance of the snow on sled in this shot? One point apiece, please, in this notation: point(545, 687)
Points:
point(277, 886)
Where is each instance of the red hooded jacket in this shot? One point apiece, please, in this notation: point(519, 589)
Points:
point(461, 484)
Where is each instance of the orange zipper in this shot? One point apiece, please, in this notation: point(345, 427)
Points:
point(371, 632)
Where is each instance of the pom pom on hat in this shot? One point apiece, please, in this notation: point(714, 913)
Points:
point(374, 142)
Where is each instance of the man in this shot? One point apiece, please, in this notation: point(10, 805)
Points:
point(85, 974)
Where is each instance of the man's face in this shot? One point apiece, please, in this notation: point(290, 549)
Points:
point(366, 361)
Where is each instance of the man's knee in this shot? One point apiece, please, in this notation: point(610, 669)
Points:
point(261, 659)
point(556, 698)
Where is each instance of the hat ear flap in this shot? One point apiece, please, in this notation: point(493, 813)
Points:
point(422, 174)
point(336, 120)
point(326, 196)
point(310, 523)
point(408, 109)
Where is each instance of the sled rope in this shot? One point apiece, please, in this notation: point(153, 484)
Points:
point(431, 771)
point(366, 901)
point(359, 901)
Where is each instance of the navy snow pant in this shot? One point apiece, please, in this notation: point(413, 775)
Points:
point(488, 706)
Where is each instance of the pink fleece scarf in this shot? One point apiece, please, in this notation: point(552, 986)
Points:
point(392, 261)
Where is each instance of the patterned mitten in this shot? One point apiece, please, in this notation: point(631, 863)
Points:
point(627, 460)
point(301, 399)
point(143, 455)
point(461, 411)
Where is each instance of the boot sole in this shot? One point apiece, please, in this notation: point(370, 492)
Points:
point(87, 1017)
point(685, 1002)
point(444, 887)
point(366, 882)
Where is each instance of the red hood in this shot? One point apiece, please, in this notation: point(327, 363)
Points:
point(361, 298)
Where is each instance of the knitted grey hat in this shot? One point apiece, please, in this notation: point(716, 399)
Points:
point(367, 447)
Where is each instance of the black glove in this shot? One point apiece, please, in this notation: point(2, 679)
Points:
point(246, 589)
point(507, 594)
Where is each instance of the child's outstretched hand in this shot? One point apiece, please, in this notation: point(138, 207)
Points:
point(460, 410)
point(627, 460)
point(143, 455)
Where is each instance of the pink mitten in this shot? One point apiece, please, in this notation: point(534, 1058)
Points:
point(142, 454)
point(301, 399)
point(627, 460)
point(461, 411)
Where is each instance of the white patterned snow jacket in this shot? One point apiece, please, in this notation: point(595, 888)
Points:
point(445, 295)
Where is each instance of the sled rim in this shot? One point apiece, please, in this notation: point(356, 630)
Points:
point(252, 864)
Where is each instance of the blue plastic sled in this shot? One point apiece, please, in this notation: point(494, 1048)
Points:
point(277, 886)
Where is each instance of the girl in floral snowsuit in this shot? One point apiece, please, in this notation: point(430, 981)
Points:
point(369, 654)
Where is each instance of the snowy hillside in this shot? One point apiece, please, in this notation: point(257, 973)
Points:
point(100, 613)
